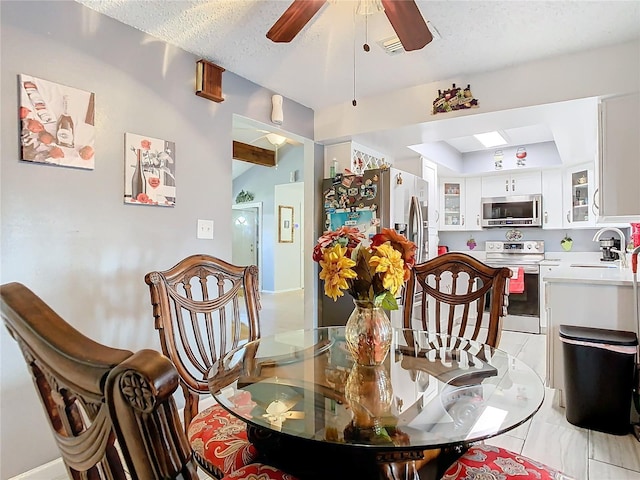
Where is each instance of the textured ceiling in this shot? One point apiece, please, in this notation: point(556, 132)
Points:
point(317, 68)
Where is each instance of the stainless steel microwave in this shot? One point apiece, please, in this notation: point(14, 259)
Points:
point(513, 211)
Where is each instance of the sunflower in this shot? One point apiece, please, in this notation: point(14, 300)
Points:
point(400, 243)
point(336, 271)
point(388, 261)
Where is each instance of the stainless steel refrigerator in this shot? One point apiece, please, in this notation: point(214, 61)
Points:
point(379, 198)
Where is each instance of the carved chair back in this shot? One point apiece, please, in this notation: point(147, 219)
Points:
point(448, 294)
point(203, 308)
point(111, 411)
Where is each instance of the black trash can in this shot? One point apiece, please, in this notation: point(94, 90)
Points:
point(598, 377)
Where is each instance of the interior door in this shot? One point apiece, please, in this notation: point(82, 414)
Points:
point(245, 229)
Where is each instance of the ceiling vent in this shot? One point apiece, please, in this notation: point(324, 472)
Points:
point(391, 45)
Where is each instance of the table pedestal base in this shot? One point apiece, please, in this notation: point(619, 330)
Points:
point(314, 460)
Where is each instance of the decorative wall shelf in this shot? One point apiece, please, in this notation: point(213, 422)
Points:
point(209, 81)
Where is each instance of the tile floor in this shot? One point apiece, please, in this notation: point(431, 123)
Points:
point(547, 437)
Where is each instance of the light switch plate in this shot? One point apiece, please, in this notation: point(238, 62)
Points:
point(205, 229)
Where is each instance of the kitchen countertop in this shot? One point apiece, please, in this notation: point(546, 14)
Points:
point(565, 273)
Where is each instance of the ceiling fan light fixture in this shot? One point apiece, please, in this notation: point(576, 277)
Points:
point(369, 7)
point(490, 139)
point(275, 139)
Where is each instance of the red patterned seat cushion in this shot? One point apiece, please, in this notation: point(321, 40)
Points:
point(485, 462)
point(219, 441)
point(259, 471)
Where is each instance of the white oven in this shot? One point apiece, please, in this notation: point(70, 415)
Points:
point(523, 258)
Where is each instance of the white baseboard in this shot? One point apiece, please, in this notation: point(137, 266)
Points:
point(54, 470)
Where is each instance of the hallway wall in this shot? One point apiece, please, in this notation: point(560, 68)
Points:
point(66, 233)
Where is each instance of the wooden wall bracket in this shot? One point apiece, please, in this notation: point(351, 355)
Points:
point(209, 80)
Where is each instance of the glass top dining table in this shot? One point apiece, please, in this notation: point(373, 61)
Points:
point(432, 391)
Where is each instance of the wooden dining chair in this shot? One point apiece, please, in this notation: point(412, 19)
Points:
point(203, 308)
point(448, 294)
point(111, 411)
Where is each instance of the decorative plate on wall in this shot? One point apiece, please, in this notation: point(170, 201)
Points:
point(514, 235)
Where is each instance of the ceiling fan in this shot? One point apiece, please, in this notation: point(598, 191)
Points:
point(404, 16)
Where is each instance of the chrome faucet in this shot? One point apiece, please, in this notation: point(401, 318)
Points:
point(623, 244)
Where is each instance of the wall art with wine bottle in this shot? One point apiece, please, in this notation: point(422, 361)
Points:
point(455, 98)
point(149, 171)
point(56, 123)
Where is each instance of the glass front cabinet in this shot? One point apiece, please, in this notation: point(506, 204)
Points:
point(452, 204)
point(460, 204)
point(581, 209)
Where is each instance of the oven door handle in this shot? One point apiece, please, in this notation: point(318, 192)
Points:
point(528, 269)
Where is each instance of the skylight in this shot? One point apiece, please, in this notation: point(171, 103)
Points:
point(490, 139)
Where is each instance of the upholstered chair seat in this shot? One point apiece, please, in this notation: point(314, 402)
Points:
point(219, 442)
point(486, 462)
point(259, 471)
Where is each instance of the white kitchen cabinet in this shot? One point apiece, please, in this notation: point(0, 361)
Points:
point(430, 174)
point(452, 203)
point(521, 183)
point(579, 197)
point(552, 201)
point(546, 267)
point(460, 204)
point(581, 303)
point(619, 155)
point(473, 204)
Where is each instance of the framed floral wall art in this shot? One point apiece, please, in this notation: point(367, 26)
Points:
point(56, 123)
point(149, 166)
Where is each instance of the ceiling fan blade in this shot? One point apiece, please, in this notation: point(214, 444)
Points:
point(407, 21)
point(294, 19)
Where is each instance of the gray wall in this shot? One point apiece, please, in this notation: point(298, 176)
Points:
point(66, 233)
point(261, 181)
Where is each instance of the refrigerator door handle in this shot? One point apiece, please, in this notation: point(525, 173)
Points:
point(415, 227)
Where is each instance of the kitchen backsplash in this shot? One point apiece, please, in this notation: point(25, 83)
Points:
point(582, 238)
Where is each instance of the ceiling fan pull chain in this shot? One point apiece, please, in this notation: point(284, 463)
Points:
point(366, 34)
point(354, 102)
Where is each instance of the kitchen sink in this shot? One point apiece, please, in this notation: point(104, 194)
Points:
point(593, 265)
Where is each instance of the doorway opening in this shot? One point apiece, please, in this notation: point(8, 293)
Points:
point(295, 169)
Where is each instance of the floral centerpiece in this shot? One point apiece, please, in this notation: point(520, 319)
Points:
point(372, 272)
